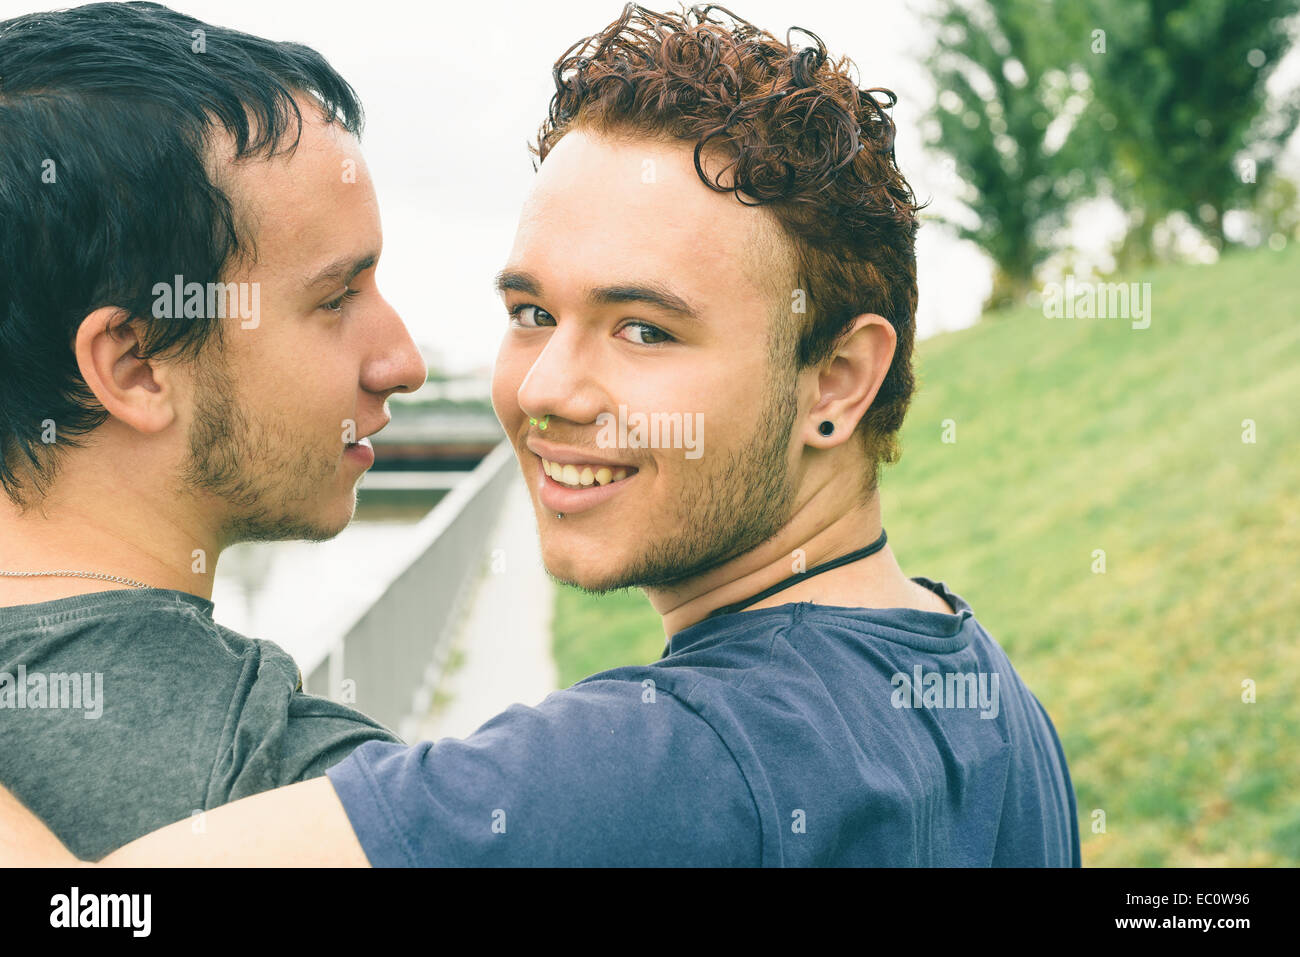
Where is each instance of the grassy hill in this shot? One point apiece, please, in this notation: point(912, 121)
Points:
point(1078, 435)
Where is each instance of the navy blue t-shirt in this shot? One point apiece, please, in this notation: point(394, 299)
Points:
point(802, 735)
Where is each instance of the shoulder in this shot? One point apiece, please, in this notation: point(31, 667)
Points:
point(606, 772)
point(276, 734)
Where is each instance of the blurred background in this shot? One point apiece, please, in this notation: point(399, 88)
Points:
point(1119, 502)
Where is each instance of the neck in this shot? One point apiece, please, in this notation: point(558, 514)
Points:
point(824, 527)
point(91, 524)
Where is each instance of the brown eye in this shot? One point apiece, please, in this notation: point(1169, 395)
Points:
point(530, 317)
point(336, 305)
point(649, 335)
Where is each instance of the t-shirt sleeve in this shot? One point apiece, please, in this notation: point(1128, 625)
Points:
point(599, 774)
point(321, 733)
point(275, 735)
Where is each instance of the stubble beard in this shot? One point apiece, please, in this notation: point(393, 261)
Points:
point(722, 512)
point(267, 481)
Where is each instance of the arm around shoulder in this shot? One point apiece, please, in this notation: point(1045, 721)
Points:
point(301, 825)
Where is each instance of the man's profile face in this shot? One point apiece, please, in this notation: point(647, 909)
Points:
point(609, 219)
point(273, 416)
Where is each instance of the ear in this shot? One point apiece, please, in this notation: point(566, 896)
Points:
point(137, 392)
point(849, 380)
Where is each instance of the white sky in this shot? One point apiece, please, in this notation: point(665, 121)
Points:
point(450, 181)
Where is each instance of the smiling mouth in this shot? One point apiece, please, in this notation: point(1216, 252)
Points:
point(585, 476)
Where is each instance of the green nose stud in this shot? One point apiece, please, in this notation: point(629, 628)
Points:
point(542, 424)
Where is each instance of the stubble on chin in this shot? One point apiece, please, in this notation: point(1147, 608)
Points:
point(269, 486)
point(716, 514)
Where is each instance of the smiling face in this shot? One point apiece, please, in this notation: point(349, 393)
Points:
point(635, 290)
point(279, 414)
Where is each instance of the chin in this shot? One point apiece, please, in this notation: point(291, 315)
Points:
point(583, 575)
point(326, 524)
point(339, 518)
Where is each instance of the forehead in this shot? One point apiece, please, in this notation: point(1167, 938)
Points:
point(316, 202)
point(611, 208)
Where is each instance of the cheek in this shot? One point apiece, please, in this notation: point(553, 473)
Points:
point(690, 389)
point(323, 405)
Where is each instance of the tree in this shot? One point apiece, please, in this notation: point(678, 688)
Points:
point(1008, 100)
point(1181, 106)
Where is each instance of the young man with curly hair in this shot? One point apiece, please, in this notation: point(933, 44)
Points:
point(718, 235)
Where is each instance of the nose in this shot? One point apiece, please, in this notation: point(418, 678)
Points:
point(561, 383)
point(395, 364)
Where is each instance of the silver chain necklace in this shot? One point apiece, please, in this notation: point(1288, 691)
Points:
point(65, 574)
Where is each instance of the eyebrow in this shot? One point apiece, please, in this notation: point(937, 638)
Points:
point(342, 270)
point(649, 293)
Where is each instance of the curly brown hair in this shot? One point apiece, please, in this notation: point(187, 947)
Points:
point(801, 139)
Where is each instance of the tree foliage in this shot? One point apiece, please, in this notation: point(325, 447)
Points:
point(1161, 104)
point(1180, 94)
point(1005, 111)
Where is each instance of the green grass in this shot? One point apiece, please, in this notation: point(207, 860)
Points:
point(1083, 434)
point(593, 633)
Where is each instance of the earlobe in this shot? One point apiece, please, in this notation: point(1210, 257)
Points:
point(850, 379)
point(131, 389)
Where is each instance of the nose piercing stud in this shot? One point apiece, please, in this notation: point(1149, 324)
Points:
point(542, 424)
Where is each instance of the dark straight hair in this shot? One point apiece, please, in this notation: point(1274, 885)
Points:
point(107, 115)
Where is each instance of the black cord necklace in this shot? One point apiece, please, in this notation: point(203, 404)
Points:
point(796, 578)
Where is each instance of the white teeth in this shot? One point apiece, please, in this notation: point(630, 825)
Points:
point(584, 478)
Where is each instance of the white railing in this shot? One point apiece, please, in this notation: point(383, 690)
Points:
point(388, 661)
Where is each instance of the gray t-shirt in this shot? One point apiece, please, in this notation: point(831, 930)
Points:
point(123, 711)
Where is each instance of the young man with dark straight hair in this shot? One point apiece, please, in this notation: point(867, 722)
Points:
point(718, 235)
point(188, 324)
